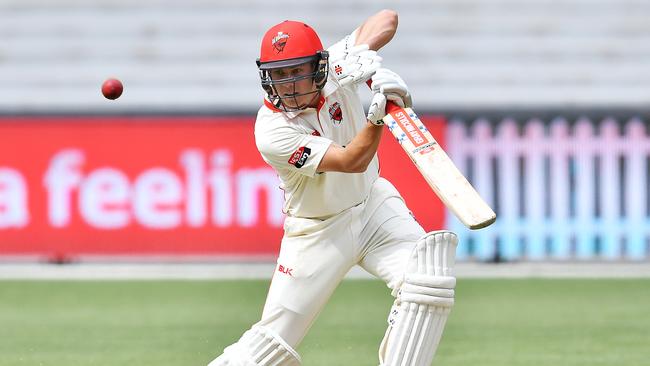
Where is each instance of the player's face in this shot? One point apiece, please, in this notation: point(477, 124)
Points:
point(298, 93)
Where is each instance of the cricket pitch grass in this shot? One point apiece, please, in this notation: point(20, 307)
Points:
point(186, 323)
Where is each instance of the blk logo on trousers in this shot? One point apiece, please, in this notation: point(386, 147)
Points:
point(285, 270)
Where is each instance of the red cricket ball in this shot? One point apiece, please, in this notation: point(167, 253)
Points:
point(112, 88)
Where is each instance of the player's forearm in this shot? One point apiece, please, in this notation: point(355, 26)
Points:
point(362, 148)
point(355, 157)
point(378, 30)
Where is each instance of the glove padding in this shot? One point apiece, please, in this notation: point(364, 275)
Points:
point(377, 109)
point(355, 65)
point(392, 86)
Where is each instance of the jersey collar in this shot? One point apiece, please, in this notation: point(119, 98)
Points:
point(293, 114)
point(330, 86)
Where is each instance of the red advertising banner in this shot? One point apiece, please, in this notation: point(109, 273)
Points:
point(154, 186)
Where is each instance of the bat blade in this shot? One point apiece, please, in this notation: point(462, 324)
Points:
point(438, 169)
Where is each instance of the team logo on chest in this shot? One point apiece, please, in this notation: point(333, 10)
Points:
point(336, 115)
point(280, 41)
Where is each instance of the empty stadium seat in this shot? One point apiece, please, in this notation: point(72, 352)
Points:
point(198, 55)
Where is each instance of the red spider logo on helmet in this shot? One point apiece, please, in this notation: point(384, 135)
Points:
point(280, 41)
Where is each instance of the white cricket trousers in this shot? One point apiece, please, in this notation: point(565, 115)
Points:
point(378, 234)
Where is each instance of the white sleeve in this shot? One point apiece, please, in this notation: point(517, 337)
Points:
point(287, 148)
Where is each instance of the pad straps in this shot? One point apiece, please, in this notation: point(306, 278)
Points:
point(259, 346)
point(428, 290)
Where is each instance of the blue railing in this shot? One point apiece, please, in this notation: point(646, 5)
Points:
point(563, 190)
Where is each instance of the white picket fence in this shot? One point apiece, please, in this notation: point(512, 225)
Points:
point(562, 190)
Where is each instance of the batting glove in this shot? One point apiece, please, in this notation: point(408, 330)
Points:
point(377, 109)
point(392, 86)
point(355, 65)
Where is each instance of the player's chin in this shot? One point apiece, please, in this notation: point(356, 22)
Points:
point(293, 103)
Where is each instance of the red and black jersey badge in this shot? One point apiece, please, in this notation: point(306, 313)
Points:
point(279, 42)
point(336, 115)
point(299, 157)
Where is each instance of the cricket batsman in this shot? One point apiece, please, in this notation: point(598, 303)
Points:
point(313, 130)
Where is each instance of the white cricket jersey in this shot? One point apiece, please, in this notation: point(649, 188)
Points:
point(294, 143)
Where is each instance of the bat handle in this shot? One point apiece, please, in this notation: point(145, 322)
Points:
point(390, 106)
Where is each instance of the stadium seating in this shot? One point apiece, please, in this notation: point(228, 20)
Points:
point(198, 55)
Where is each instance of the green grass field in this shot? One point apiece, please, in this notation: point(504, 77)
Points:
point(174, 323)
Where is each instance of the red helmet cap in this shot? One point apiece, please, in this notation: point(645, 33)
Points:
point(288, 43)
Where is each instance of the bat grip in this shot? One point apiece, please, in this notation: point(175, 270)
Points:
point(390, 106)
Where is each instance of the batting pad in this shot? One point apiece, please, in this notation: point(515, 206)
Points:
point(259, 346)
point(423, 303)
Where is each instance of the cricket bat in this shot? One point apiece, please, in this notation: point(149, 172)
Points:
point(436, 167)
